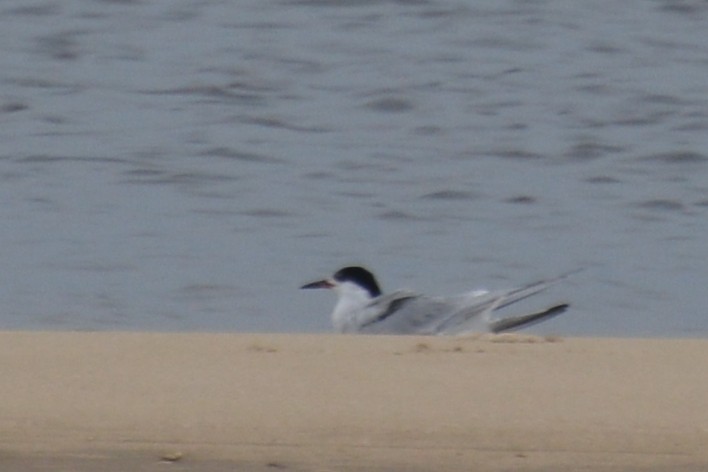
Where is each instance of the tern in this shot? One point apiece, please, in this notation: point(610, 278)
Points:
point(362, 307)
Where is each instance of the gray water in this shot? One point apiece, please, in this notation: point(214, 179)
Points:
point(186, 165)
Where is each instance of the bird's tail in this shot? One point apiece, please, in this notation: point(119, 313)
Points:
point(491, 302)
point(518, 294)
point(517, 322)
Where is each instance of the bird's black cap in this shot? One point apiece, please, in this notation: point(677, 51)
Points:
point(361, 277)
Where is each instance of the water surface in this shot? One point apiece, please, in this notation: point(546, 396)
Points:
point(186, 165)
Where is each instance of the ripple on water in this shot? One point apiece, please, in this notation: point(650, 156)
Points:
point(677, 157)
point(159, 177)
point(522, 200)
point(279, 123)
point(229, 153)
point(267, 213)
point(61, 46)
point(398, 215)
point(49, 159)
point(331, 3)
point(690, 9)
point(589, 150)
point(390, 104)
point(208, 291)
point(13, 106)
point(450, 195)
point(516, 154)
point(602, 179)
point(662, 204)
point(216, 93)
point(35, 10)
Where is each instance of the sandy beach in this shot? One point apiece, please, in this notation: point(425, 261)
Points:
point(211, 402)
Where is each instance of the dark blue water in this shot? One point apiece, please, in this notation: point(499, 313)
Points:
point(186, 165)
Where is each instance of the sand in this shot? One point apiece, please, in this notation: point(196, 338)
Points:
point(212, 402)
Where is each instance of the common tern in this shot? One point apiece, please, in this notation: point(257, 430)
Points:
point(362, 307)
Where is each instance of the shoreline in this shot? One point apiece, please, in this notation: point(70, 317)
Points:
point(332, 402)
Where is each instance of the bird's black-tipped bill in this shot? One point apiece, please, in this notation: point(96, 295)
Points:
point(319, 284)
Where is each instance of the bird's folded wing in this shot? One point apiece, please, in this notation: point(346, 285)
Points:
point(475, 309)
point(514, 295)
point(403, 312)
point(470, 314)
point(384, 307)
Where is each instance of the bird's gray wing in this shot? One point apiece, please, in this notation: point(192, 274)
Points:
point(404, 312)
point(518, 294)
point(474, 311)
point(381, 308)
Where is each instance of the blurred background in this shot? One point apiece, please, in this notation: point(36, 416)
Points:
point(174, 165)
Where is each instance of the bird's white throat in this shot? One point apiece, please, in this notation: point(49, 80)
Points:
point(351, 302)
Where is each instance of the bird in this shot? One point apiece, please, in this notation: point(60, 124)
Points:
point(362, 308)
